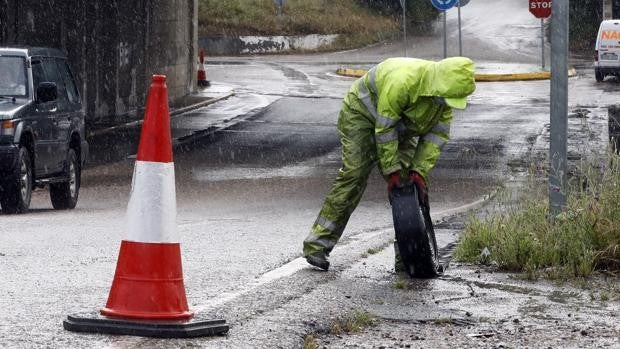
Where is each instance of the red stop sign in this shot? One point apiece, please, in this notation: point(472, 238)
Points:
point(540, 8)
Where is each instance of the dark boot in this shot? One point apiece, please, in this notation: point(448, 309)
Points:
point(319, 260)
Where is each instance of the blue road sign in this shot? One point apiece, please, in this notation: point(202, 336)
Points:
point(443, 5)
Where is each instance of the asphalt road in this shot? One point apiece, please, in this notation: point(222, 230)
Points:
point(247, 195)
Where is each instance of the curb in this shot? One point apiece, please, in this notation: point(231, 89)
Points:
point(543, 75)
point(173, 113)
point(353, 73)
point(474, 205)
point(200, 104)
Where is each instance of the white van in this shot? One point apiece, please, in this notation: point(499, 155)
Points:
point(607, 60)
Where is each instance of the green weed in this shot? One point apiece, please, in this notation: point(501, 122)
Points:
point(443, 321)
point(400, 284)
point(354, 322)
point(584, 238)
point(259, 17)
point(310, 342)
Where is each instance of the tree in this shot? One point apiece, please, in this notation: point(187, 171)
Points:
point(421, 14)
point(585, 18)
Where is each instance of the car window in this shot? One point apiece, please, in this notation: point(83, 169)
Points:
point(38, 76)
point(52, 75)
point(13, 81)
point(67, 77)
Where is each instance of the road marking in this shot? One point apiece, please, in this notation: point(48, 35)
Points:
point(300, 263)
point(285, 270)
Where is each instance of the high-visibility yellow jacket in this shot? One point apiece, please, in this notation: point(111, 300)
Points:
point(398, 94)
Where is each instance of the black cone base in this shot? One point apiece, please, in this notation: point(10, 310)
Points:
point(95, 323)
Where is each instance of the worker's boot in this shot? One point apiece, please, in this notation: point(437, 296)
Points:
point(319, 260)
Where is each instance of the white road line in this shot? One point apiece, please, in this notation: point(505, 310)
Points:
point(300, 263)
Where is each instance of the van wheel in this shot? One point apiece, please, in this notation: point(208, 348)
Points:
point(65, 195)
point(17, 188)
point(598, 75)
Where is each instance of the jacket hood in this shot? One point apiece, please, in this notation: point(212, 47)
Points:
point(452, 79)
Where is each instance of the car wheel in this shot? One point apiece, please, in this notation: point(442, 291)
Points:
point(598, 75)
point(414, 233)
point(64, 195)
point(17, 189)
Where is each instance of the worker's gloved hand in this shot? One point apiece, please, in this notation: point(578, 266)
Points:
point(420, 183)
point(393, 181)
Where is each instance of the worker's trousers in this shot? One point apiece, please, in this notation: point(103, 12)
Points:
point(359, 157)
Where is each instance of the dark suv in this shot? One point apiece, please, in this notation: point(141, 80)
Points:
point(42, 140)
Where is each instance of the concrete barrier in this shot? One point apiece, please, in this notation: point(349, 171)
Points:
point(219, 45)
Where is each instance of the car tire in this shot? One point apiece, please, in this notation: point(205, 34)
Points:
point(598, 75)
point(65, 195)
point(415, 235)
point(17, 188)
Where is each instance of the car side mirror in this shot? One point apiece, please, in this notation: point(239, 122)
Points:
point(47, 92)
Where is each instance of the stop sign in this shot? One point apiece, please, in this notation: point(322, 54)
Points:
point(540, 8)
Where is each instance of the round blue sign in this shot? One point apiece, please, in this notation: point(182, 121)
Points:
point(443, 5)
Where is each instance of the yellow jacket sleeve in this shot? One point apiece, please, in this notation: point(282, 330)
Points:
point(391, 102)
point(430, 144)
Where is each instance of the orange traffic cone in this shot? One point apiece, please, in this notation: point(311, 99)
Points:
point(149, 262)
point(148, 283)
point(202, 71)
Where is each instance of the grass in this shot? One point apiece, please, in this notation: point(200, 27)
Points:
point(374, 250)
point(354, 322)
point(584, 238)
point(259, 17)
point(443, 321)
point(310, 342)
point(400, 284)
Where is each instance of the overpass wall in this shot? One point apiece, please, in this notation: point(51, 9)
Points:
point(114, 47)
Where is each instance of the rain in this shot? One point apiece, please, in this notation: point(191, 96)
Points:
point(255, 152)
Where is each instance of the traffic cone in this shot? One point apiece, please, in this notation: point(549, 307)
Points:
point(149, 262)
point(148, 282)
point(202, 71)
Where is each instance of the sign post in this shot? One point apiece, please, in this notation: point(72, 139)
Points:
point(559, 108)
point(403, 4)
point(460, 32)
point(444, 5)
point(541, 9)
point(459, 4)
point(280, 4)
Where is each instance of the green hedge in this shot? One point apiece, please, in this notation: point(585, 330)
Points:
point(420, 13)
point(585, 18)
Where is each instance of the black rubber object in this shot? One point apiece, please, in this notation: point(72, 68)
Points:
point(414, 233)
point(95, 323)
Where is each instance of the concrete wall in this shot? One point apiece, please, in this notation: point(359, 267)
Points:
point(218, 45)
point(114, 47)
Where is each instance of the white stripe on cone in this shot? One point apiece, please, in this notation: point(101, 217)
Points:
point(152, 208)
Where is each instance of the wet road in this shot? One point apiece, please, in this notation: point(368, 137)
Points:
point(247, 195)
